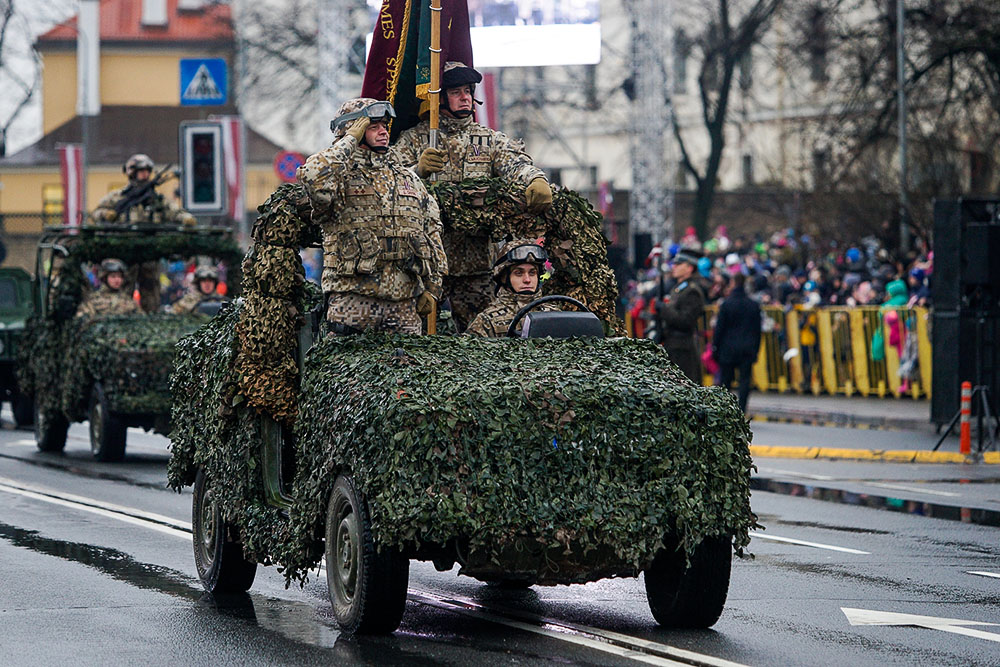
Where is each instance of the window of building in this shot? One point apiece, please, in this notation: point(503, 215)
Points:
point(816, 40)
point(746, 71)
point(682, 52)
point(747, 170)
point(821, 168)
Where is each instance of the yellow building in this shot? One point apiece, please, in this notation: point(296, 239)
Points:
point(138, 88)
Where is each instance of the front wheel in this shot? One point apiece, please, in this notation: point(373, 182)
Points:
point(50, 429)
point(690, 597)
point(218, 553)
point(367, 587)
point(107, 431)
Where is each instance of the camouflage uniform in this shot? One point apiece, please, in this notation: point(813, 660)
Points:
point(191, 300)
point(106, 301)
point(474, 151)
point(381, 234)
point(494, 321)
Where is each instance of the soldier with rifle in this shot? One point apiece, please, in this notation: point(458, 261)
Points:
point(139, 202)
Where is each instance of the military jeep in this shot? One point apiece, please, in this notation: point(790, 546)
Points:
point(112, 370)
point(537, 460)
point(15, 308)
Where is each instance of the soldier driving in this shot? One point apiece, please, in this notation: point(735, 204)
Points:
point(517, 275)
point(138, 202)
point(204, 288)
point(469, 150)
point(382, 255)
point(113, 296)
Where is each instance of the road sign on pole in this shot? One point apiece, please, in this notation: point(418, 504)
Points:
point(204, 81)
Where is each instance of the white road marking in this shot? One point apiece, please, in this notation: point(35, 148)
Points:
point(901, 487)
point(816, 545)
point(137, 517)
point(793, 473)
point(23, 443)
point(994, 575)
point(613, 643)
point(873, 617)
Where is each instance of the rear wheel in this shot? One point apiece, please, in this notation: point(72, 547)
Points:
point(107, 431)
point(24, 410)
point(690, 597)
point(218, 552)
point(50, 430)
point(367, 587)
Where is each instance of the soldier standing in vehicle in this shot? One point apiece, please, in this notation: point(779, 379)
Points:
point(113, 297)
point(469, 150)
point(204, 288)
point(138, 202)
point(678, 318)
point(383, 260)
point(517, 274)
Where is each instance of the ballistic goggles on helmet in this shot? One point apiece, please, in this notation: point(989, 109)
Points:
point(524, 254)
point(378, 111)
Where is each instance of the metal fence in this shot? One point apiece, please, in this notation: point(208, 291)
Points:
point(829, 350)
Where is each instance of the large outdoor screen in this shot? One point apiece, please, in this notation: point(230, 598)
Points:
point(525, 33)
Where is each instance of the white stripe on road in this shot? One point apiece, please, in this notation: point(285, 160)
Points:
point(802, 543)
point(131, 515)
point(611, 643)
point(992, 575)
point(794, 473)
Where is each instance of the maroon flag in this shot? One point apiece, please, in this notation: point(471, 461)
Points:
point(71, 171)
point(398, 67)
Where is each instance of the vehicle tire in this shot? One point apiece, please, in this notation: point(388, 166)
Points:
point(690, 597)
point(218, 551)
point(367, 587)
point(107, 431)
point(24, 410)
point(50, 430)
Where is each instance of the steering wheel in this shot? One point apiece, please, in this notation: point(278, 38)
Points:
point(512, 329)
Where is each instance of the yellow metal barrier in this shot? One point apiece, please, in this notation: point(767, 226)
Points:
point(829, 349)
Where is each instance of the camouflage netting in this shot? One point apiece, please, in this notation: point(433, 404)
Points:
point(130, 354)
point(273, 280)
point(599, 445)
point(571, 227)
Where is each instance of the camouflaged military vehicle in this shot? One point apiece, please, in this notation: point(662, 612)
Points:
point(15, 309)
point(112, 370)
point(563, 457)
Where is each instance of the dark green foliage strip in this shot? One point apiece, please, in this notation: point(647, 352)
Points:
point(571, 227)
point(593, 444)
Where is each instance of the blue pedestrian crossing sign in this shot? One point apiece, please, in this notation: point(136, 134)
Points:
point(203, 81)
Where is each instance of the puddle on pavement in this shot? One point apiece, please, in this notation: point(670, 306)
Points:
point(293, 620)
point(823, 526)
point(57, 462)
point(974, 515)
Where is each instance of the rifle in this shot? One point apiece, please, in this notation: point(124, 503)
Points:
point(137, 194)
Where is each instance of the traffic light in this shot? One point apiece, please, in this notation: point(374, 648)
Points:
point(203, 188)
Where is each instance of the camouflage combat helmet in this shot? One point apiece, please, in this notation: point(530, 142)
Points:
point(206, 273)
point(512, 253)
point(109, 266)
point(351, 106)
point(135, 163)
point(454, 75)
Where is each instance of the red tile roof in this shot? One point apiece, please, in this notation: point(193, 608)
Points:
point(121, 21)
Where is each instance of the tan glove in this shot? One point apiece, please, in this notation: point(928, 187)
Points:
point(538, 195)
point(358, 127)
point(425, 303)
point(431, 161)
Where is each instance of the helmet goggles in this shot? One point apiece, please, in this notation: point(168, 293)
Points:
point(524, 254)
point(377, 111)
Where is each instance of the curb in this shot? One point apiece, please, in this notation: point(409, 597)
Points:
point(879, 455)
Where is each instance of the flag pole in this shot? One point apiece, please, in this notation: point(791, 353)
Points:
point(435, 85)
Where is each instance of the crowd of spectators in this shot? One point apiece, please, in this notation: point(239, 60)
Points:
point(787, 270)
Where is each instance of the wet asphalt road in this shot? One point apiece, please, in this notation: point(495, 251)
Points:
point(83, 583)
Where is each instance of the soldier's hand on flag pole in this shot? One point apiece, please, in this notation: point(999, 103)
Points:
point(357, 129)
point(431, 161)
point(538, 195)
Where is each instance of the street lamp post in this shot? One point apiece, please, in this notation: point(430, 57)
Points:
point(904, 204)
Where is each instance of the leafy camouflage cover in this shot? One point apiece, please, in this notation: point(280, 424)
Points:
point(562, 460)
